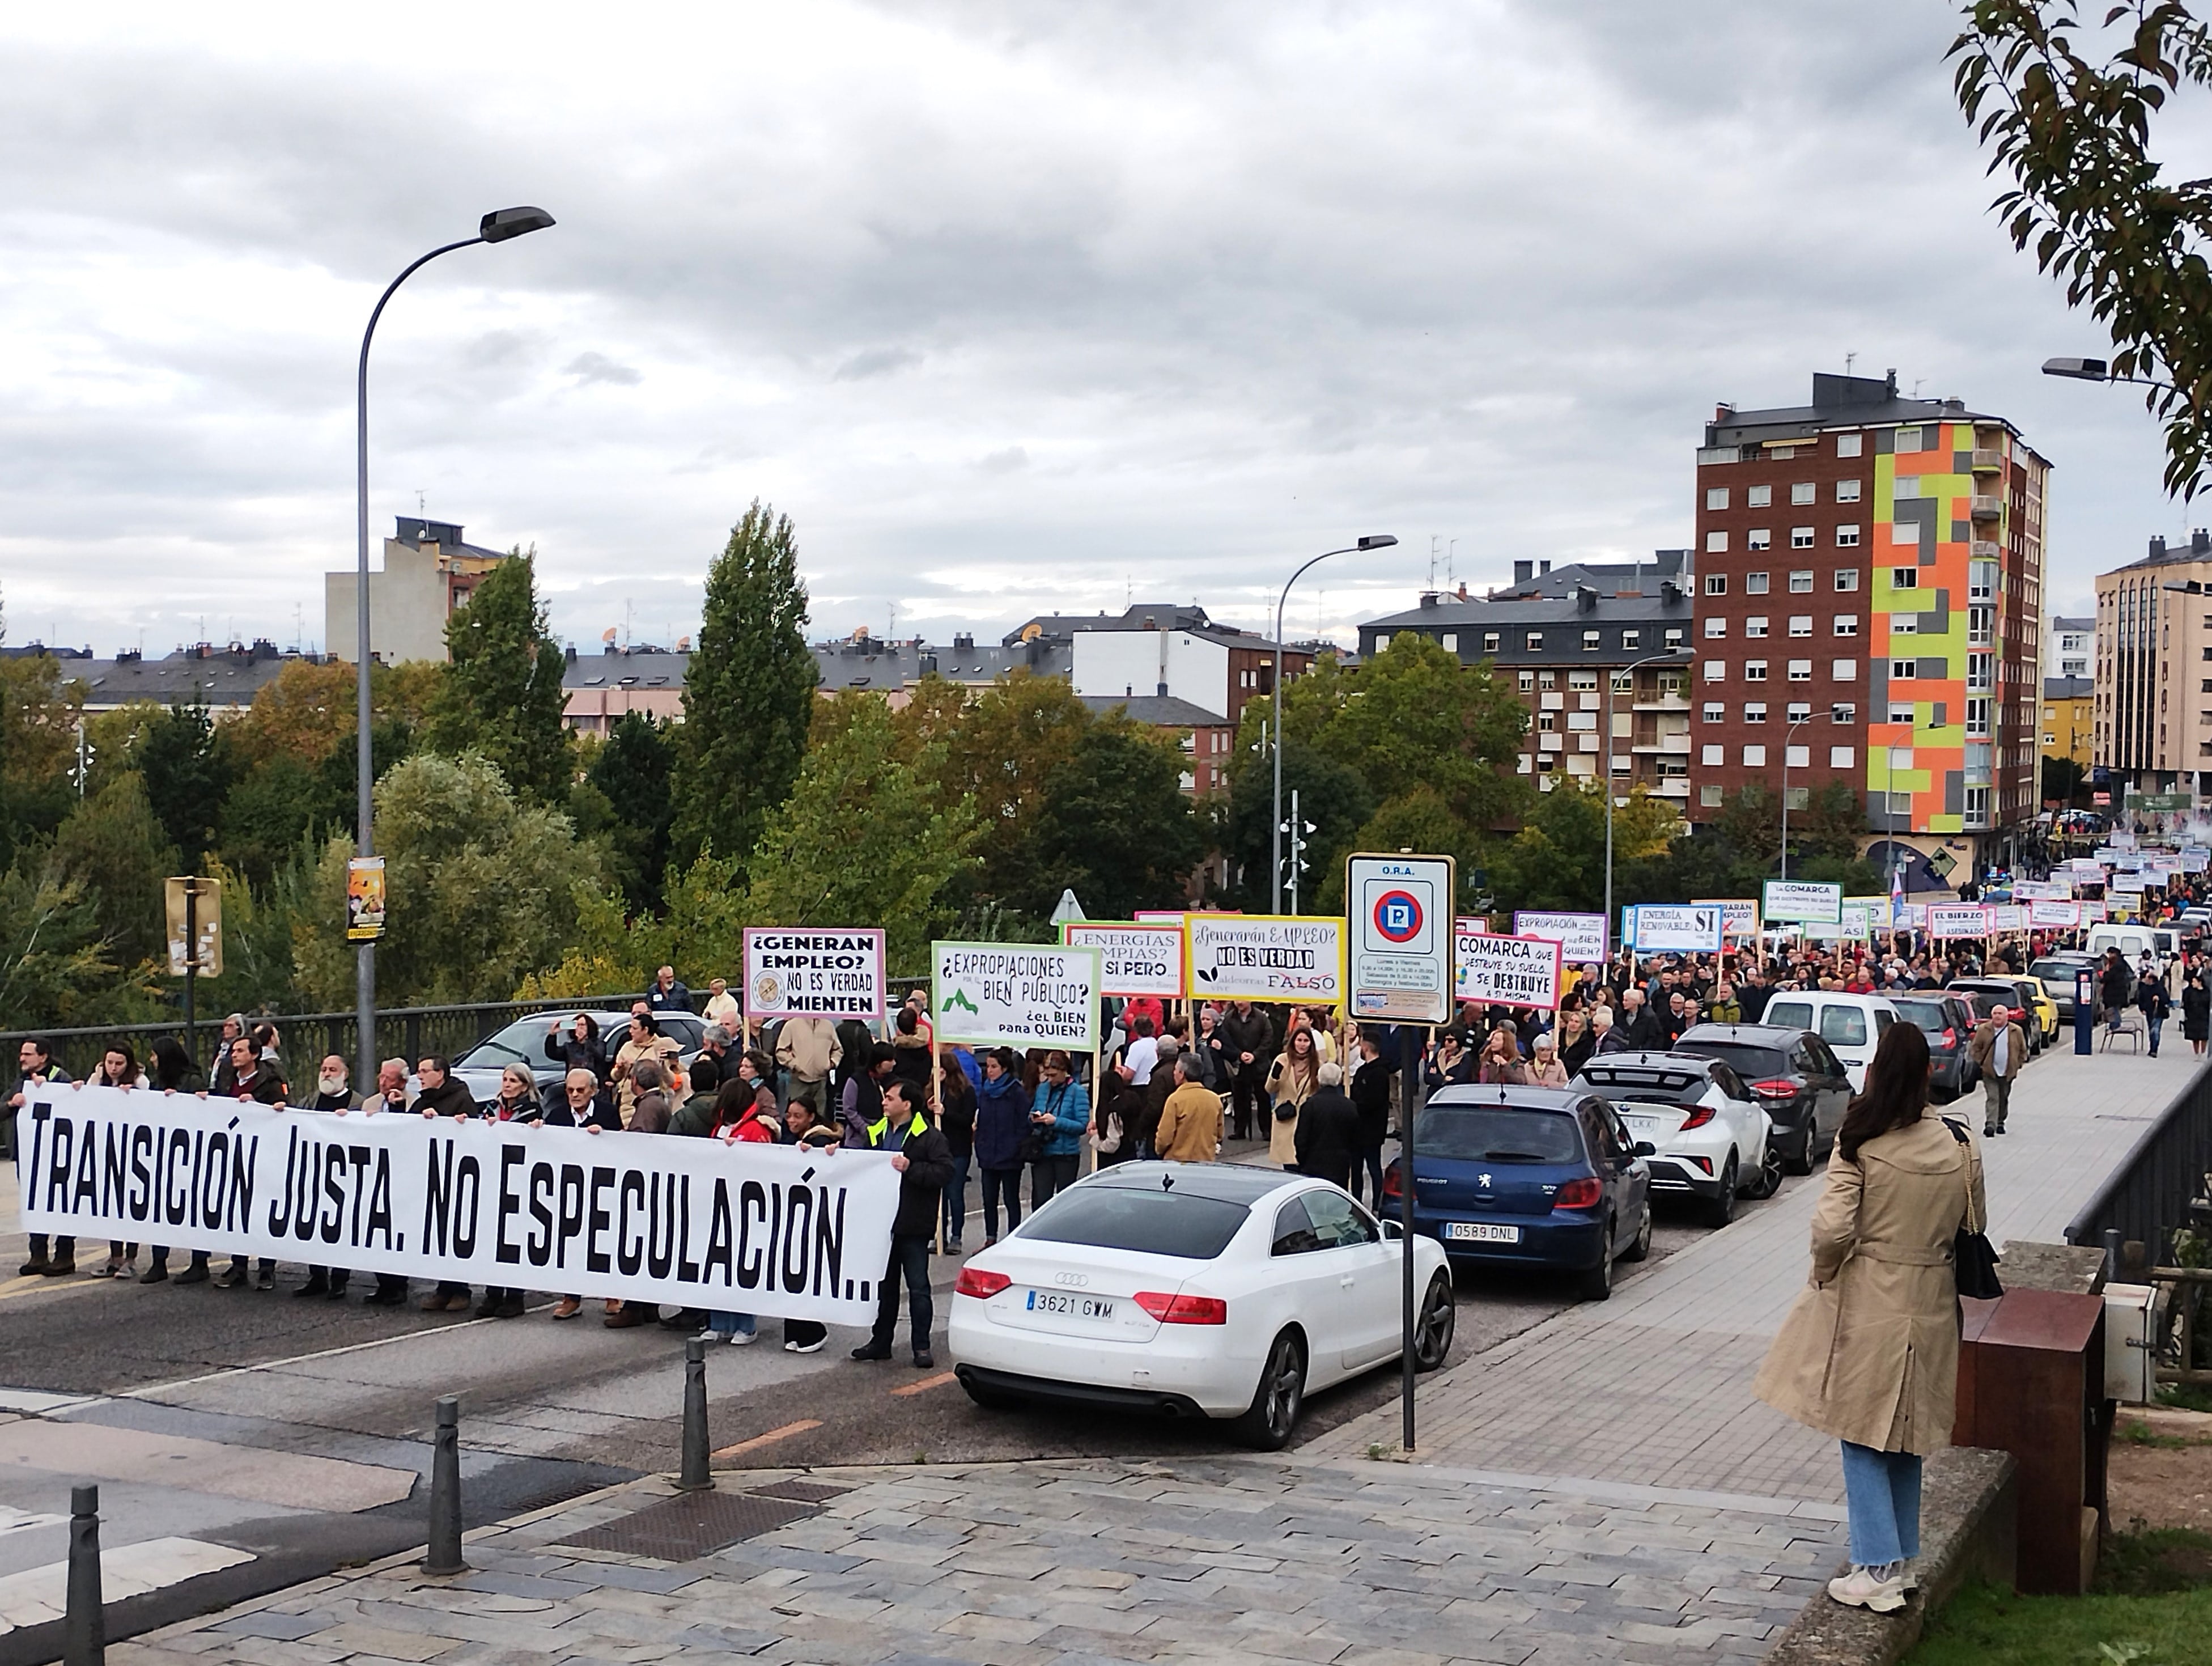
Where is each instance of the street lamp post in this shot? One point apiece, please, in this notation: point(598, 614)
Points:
point(496, 227)
point(1374, 541)
point(1787, 733)
point(1612, 687)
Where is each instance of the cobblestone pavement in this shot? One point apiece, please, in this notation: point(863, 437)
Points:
point(1069, 1562)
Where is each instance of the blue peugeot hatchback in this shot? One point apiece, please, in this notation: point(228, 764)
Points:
point(1539, 1177)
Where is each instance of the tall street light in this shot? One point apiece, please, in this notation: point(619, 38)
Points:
point(1786, 734)
point(1612, 687)
point(1373, 541)
point(496, 227)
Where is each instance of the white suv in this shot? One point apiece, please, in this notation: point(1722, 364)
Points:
point(1708, 1133)
point(1852, 1026)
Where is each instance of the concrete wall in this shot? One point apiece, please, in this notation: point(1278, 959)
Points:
point(407, 607)
point(1115, 663)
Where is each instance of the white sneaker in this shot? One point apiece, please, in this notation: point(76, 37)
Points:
point(709, 1334)
point(1860, 1588)
point(806, 1347)
point(741, 1339)
point(1911, 1577)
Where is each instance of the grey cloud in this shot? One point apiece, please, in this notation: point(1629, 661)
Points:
point(876, 361)
point(599, 368)
point(1003, 462)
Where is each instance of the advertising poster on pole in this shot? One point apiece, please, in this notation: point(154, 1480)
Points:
point(364, 899)
point(1400, 965)
point(1265, 957)
point(1739, 916)
point(1015, 994)
point(814, 973)
point(1957, 919)
point(1508, 971)
point(1677, 928)
point(1804, 900)
point(1581, 937)
point(2056, 916)
point(1135, 960)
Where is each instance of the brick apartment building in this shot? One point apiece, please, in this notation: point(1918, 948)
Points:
point(1869, 572)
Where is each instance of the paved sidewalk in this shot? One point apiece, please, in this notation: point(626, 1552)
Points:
point(1069, 1563)
point(1654, 1387)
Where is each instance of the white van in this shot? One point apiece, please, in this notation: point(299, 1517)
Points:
point(1852, 1026)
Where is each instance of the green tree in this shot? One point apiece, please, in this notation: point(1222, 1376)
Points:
point(998, 747)
point(633, 773)
point(117, 853)
point(749, 696)
point(2062, 780)
point(1331, 794)
point(2129, 242)
point(188, 771)
point(502, 693)
point(53, 969)
point(1114, 826)
point(1557, 859)
point(273, 806)
point(38, 712)
point(481, 889)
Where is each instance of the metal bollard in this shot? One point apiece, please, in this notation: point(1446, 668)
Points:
point(444, 1548)
point(696, 1477)
point(84, 1638)
point(2113, 1265)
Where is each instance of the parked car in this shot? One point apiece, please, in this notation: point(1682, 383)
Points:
point(2057, 973)
point(1796, 1078)
point(2009, 991)
point(524, 1041)
point(2040, 1001)
point(1708, 1134)
point(1196, 1289)
point(1534, 1177)
point(1947, 1020)
point(1852, 1026)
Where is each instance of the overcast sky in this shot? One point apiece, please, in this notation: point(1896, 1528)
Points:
point(1012, 307)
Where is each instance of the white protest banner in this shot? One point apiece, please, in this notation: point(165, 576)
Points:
point(1857, 920)
point(1015, 994)
point(1957, 919)
point(2008, 917)
point(1508, 971)
point(2062, 916)
point(1135, 960)
point(1266, 957)
point(821, 973)
point(2094, 912)
point(1467, 925)
point(1912, 916)
point(2195, 858)
point(1802, 899)
point(1682, 927)
point(2042, 890)
point(1581, 937)
point(781, 1231)
point(1739, 916)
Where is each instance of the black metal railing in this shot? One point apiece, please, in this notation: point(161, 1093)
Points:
point(2149, 1193)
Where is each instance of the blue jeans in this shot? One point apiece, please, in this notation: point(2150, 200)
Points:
point(730, 1324)
point(2156, 1023)
point(956, 1199)
point(1882, 1490)
point(1001, 1184)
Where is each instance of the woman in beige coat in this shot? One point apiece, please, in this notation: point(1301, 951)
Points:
point(1290, 1083)
point(1869, 1353)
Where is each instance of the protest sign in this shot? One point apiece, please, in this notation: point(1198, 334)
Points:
point(1581, 937)
point(1802, 899)
point(2008, 917)
point(1508, 971)
point(1265, 957)
point(1739, 916)
point(2062, 916)
point(2042, 891)
point(1015, 994)
point(1912, 916)
point(810, 973)
point(1957, 919)
point(1680, 927)
point(1133, 959)
point(776, 1230)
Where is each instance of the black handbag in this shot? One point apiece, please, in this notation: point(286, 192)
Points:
point(1973, 1258)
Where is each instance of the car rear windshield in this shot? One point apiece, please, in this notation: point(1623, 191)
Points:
point(2059, 972)
point(1497, 1134)
point(1753, 1064)
point(1637, 1085)
point(1158, 1220)
point(1929, 1015)
point(1791, 1014)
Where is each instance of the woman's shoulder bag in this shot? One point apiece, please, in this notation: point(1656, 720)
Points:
point(1973, 1258)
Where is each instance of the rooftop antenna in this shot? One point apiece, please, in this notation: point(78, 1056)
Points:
point(626, 615)
point(1915, 385)
point(298, 629)
point(891, 631)
point(1433, 542)
point(1850, 359)
point(421, 504)
point(1451, 562)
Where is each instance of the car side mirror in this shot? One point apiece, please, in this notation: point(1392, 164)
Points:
point(1645, 1148)
point(1393, 1230)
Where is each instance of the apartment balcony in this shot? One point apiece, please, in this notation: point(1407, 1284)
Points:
point(1667, 746)
point(1983, 550)
point(1665, 702)
point(1669, 786)
point(1986, 508)
point(1988, 461)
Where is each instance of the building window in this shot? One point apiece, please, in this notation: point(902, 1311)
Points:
point(1800, 671)
point(1548, 679)
point(1528, 764)
point(1981, 626)
point(1450, 641)
point(1760, 537)
point(1716, 542)
point(1490, 641)
point(1717, 584)
point(1804, 491)
point(1547, 721)
point(1754, 757)
point(1900, 669)
point(1843, 712)
point(1848, 445)
point(1905, 624)
point(1977, 719)
point(1755, 625)
point(2050, 740)
point(1758, 497)
point(1847, 578)
point(1754, 584)
point(1674, 637)
point(1798, 711)
point(1979, 667)
point(1589, 641)
point(1977, 806)
point(1798, 797)
point(1716, 671)
point(1715, 712)
point(1847, 538)
point(1716, 628)
point(1900, 804)
point(1584, 680)
point(1904, 578)
point(1717, 498)
point(1797, 757)
point(1840, 757)
point(1527, 682)
point(1900, 711)
point(1754, 711)
point(1847, 491)
point(1535, 642)
point(1631, 638)
point(1800, 624)
point(1982, 581)
point(1710, 797)
point(1800, 538)
point(1713, 755)
point(1800, 583)
point(1754, 671)
point(1847, 624)
point(1844, 671)
point(1908, 439)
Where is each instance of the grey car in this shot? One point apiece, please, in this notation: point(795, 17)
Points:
point(524, 1040)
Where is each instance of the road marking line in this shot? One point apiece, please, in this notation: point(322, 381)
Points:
point(152, 1389)
point(926, 1384)
point(41, 1285)
point(771, 1437)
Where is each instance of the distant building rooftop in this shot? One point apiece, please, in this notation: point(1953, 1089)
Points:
point(2068, 688)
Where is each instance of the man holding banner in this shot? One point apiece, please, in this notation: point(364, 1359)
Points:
point(924, 1165)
